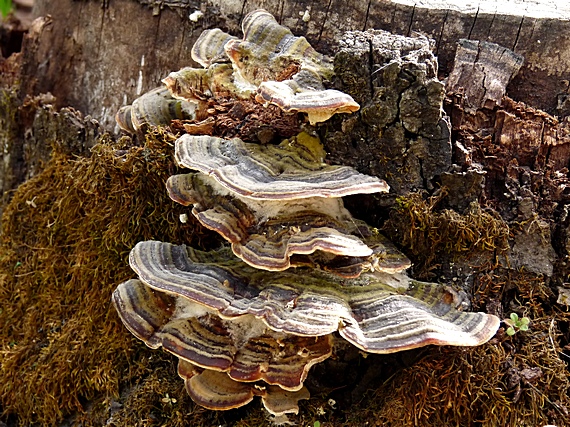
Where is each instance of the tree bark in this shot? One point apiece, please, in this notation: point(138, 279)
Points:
point(93, 54)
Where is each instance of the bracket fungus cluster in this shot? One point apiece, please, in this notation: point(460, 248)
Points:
point(251, 319)
point(269, 64)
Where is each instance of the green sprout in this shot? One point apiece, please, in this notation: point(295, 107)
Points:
point(317, 424)
point(5, 7)
point(515, 324)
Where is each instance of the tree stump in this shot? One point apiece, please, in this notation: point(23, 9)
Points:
point(479, 201)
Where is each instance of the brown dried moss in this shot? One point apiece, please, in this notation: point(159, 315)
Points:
point(428, 233)
point(66, 237)
point(491, 385)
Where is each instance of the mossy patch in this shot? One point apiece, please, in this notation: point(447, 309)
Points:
point(484, 386)
point(427, 233)
point(66, 235)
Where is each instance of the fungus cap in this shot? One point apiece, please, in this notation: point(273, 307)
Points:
point(243, 347)
point(209, 47)
point(156, 107)
point(320, 105)
point(282, 172)
point(270, 51)
point(369, 312)
point(214, 390)
point(276, 234)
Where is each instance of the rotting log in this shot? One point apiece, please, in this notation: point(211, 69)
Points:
point(93, 54)
point(497, 171)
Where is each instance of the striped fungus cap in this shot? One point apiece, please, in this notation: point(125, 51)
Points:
point(252, 325)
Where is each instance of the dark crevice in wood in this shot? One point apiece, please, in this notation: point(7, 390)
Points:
point(491, 26)
point(473, 25)
point(478, 53)
point(324, 21)
point(366, 17)
point(421, 171)
point(411, 21)
point(370, 66)
point(242, 13)
point(441, 33)
point(483, 84)
point(518, 34)
point(548, 150)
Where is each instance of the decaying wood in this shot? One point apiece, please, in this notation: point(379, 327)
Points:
point(482, 70)
point(517, 156)
point(97, 56)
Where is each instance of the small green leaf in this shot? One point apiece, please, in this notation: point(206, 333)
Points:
point(5, 7)
point(523, 328)
point(510, 331)
point(525, 321)
point(317, 424)
point(514, 317)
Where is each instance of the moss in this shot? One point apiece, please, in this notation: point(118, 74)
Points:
point(428, 233)
point(481, 386)
point(66, 236)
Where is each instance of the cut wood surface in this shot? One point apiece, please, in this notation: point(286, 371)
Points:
point(98, 56)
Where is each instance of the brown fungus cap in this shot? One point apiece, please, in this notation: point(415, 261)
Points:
point(369, 312)
point(244, 347)
point(270, 51)
point(156, 107)
point(217, 391)
point(288, 72)
point(198, 84)
point(277, 234)
point(209, 47)
point(214, 390)
point(283, 172)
